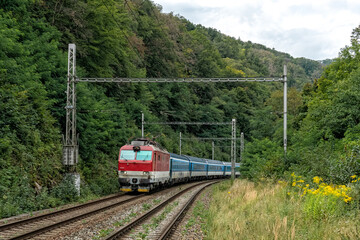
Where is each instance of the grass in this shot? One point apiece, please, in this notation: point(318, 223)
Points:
point(198, 214)
point(125, 220)
point(245, 210)
point(103, 233)
point(146, 206)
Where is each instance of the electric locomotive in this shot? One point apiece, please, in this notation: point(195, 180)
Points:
point(143, 165)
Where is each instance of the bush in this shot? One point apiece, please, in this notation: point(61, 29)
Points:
point(262, 159)
point(65, 191)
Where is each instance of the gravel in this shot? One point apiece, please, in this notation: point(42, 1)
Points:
point(191, 225)
point(101, 225)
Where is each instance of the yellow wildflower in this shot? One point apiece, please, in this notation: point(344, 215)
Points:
point(317, 179)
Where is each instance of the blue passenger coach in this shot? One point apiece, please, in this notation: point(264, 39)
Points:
point(215, 168)
point(198, 167)
point(179, 168)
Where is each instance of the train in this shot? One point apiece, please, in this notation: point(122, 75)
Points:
point(144, 166)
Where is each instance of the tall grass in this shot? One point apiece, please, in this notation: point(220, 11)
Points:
point(245, 210)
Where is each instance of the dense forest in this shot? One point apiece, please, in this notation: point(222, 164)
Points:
point(123, 38)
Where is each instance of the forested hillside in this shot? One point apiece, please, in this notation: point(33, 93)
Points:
point(324, 126)
point(119, 38)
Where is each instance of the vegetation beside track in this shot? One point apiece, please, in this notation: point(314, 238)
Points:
point(273, 210)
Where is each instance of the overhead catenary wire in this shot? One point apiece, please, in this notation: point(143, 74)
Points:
point(214, 139)
point(187, 123)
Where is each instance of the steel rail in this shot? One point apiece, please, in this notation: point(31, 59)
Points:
point(72, 219)
point(166, 233)
point(55, 213)
point(214, 138)
point(125, 229)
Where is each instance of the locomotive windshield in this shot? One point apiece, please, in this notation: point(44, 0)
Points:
point(144, 155)
point(127, 155)
point(140, 155)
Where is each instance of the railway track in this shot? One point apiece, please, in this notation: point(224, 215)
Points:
point(33, 226)
point(134, 230)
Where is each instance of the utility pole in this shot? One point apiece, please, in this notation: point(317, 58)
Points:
point(285, 110)
point(142, 124)
point(233, 149)
point(180, 145)
point(241, 146)
point(213, 150)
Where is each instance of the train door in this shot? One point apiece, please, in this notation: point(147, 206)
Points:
point(190, 168)
point(207, 169)
point(154, 162)
point(171, 167)
point(158, 163)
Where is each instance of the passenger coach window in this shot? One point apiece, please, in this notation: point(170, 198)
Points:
point(127, 155)
point(144, 155)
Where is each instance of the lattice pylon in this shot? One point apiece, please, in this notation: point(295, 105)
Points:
point(70, 147)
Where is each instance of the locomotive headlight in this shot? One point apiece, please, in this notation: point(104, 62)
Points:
point(146, 173)
point(124, 172)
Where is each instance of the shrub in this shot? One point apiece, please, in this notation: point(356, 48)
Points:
point(66, 190)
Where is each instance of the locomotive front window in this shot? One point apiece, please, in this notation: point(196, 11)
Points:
point(144, 155)
point(127, 155)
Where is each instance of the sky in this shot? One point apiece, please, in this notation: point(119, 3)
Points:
point(314, 29)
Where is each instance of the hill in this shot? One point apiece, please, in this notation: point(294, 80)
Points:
point(121, 39)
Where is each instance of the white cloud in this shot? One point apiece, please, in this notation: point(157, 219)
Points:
point(315, 29)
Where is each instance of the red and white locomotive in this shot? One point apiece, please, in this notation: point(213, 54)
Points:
point(143, 165)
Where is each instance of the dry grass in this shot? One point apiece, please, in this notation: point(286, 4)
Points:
point(265, 211)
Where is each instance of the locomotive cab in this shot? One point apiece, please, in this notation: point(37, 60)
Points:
point(143, 165)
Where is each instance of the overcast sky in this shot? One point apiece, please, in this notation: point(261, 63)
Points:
point(315, 29)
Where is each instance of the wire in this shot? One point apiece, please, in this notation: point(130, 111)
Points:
point(215, 139)
point(96, 110)
point(187, 123)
